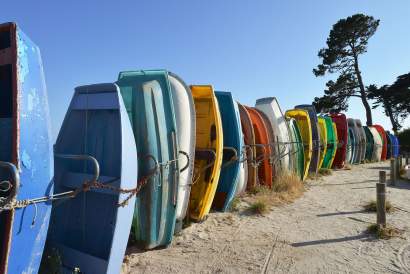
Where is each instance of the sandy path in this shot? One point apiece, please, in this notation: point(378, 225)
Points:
point(322, 232)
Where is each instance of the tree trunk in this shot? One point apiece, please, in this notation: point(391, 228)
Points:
point(366, 105)
point(389, 113)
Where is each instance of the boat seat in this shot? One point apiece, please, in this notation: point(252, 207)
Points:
point(82, 260)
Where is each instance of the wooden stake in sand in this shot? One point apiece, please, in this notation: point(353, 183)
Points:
point(393, 172)
point(399, 164)
point(381, 199)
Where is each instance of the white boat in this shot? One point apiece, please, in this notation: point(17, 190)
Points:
point(186, 128)
point(243, 166)
point(378, 144)
point(271, 108)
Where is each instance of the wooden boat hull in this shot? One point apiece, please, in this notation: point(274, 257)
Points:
point(302, 118)
point(249, 139)
point(25, 142)
point(209, 151)
point(186, 128)
point(261, 138)
point(314, 163)
point(323, 140)
point(342, 134)
point(272, 110)
point(382, 133)
point(378, 144)
point(148, 99)
point(297, 151)
point(90, 232)
point(228, 179)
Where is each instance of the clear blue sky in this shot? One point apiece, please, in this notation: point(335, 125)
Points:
point(251, 48)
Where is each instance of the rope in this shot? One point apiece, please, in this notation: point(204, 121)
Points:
point(85, 187)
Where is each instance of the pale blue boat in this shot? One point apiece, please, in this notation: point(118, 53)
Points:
point(89, 233)
point(229, 176)
point(148, 99)
point(25, 151)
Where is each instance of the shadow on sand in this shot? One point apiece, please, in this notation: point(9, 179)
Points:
point(362, 236)
point(341, 213)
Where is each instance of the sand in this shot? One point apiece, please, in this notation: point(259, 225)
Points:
point(324, 231)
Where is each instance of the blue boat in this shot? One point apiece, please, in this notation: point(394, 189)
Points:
point(148, 99)
point(390, 144)
point(314, 163)
point(26, 166)
point(89, 232)
point(229, 176)
point(396, 146)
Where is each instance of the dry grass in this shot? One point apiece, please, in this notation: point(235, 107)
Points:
point(235, 204)
point(347, 167)
point(259, 207)
point(384, 232)
point(372, 206)
point(285, 189)
point(325, 171)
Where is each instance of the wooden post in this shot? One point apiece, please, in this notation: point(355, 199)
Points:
point(381, 199)
point(400, 163)
point(407, 158)
point(392, 171)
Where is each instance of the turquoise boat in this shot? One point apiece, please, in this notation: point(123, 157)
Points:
point(148, 100)
point(229, 176)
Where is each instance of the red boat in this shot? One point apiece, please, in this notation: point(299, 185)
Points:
point(249, 138)
point(342, 134)
point(382, 133)
point(261, 139)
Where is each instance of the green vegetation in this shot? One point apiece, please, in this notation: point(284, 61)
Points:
point(372, 206)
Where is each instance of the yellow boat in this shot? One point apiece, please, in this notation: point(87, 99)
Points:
point(336, 143)
point(303, 121)
point(208, 151)
point(323, 139)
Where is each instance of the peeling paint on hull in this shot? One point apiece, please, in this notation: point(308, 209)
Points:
point(31, 153)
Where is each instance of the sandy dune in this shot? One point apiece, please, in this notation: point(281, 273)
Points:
point(322, 232)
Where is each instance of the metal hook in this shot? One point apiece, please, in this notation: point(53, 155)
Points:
point(82, 157)
point(233, 159)
point(15, 178)
point(187, 160)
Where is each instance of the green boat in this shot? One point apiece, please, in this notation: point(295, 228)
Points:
point(369, 144)
point(148, 100)
point(331, 143)
point(297, 151)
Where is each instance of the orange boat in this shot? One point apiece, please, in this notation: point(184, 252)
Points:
point(249, 137)
point(261, 141)
point(271, 138)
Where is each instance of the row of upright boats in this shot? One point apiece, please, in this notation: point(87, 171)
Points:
point(135, 158)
